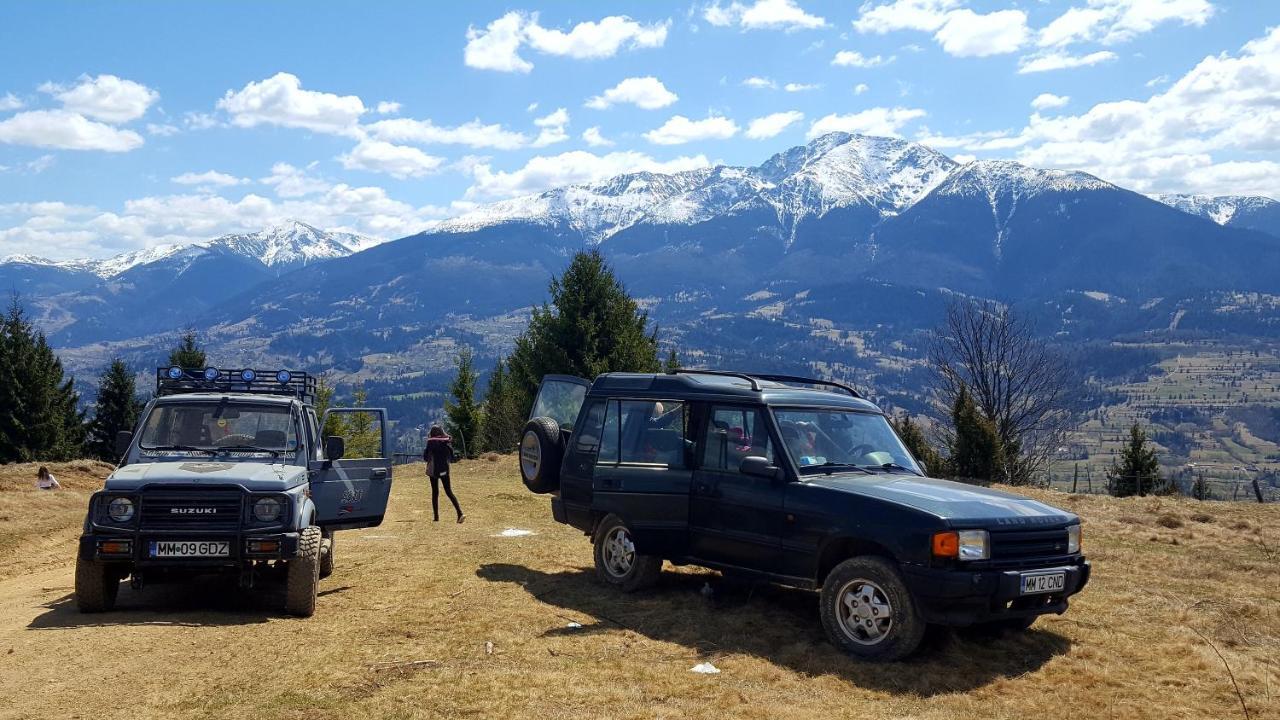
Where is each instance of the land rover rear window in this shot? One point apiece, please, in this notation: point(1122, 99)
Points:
point(652, 432)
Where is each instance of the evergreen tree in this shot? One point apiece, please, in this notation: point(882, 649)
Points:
point(334, 425)
point(188, 355)
point(116, 409)
point(672, 363)
point(13, 406)
point(591, 326)
point(362, 434)
point(500, 420)
point(1137, 470)
point(463, 414)
point(976, 452)
point(40, 417)
point(913, 437)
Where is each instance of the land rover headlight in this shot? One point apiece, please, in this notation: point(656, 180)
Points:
point(1073, 539)
point(266, 509)
point(975, 545)
point(120, 509)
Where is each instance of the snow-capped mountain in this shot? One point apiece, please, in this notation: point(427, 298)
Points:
point(1248, 211)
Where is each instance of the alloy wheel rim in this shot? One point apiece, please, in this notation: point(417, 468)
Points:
point(864, 612)
point(619, 552)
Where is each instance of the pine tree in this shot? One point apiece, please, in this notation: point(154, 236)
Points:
point(116, 409)
point(913, 437)
point(463, 414)
point(500, 420)
point(976, 452)
point(362, 434)
point(13, 406)
point(335, 424)
point(188, 355)
point(40, 416)
point(1137, 470)
point(591, 326)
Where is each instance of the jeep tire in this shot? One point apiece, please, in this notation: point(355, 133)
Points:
point(97, 585)
point(617, 562)
point(868, 612)
point(326, 554)
point(302, 574)
point(541, 452)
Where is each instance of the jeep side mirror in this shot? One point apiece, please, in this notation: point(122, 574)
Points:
point(334, 448)
point(124, 439)
point(757, 466)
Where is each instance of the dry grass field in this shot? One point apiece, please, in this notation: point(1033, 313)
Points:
point(427, 620)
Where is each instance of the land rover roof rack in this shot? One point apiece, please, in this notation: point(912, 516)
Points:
point(809, 381)
point(175, 380)
point(755, 384)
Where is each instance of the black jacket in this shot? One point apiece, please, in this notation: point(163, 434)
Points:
point(440, 451)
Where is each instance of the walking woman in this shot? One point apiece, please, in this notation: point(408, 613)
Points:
point(437, 455)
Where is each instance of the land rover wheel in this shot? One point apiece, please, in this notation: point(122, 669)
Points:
point(302, 574)
point(326, 555)
point(868, 612)
point(618, 563)
point(540, 455)
point(97, 585)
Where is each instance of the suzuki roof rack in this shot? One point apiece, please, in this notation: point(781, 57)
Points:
point(755, 378)
point(175, 380)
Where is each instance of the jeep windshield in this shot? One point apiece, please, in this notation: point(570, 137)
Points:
point(214, 428)
point(831, 440)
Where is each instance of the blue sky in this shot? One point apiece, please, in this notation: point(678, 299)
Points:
point(123, 126)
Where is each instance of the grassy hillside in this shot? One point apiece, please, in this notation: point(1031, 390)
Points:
point(444, 620)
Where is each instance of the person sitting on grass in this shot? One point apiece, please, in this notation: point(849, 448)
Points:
point(437, 454)
point(45, 479)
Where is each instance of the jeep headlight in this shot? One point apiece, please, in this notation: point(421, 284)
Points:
point(120, 509)
point(975, 545)
point(266, 509)
point(1073, 539)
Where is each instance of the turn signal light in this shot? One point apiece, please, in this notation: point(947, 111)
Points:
point(946, 544)
point(115, 547)
point(263, 546)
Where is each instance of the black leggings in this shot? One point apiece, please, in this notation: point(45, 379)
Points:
point(435, 494)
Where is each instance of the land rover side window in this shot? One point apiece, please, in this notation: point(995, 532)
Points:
point(610, 435)
point(652, 432)
point(587, 436)
point(734, 433)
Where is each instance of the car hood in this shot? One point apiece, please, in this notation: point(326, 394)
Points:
point(253, 476)
point(961, 504)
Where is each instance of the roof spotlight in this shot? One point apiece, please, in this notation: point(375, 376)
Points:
point(248, 375)
point(283, 377)
point(210, 374)
point(175, 373)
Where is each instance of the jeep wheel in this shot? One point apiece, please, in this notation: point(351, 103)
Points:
point(618, 563)
point(97, 585)
point(868, 612)
point(303, 575)
point(540, 455)
point(326, 555)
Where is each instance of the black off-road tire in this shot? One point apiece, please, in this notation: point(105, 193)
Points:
point(876, 584)
point(327, 544)
point(617, 562)
point(541, 452)
point(97, 585)
point(302, 575)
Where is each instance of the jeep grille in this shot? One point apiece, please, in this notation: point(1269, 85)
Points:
point(191, 509)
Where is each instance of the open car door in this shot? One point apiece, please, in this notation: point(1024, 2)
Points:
point(352, 491)
point(560, 397)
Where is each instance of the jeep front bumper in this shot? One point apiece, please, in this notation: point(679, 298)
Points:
point(960, 597)
point(136, 548)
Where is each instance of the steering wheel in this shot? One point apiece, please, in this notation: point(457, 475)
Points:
point(235, 439)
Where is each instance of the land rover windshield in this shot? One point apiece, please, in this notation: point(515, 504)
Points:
point(825, 440)
point(216, 427)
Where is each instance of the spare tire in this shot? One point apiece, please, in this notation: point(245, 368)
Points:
point(541, 451)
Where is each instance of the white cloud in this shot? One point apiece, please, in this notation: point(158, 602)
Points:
point(1044, 101)
point(760, 83)
point(1117, 21)
point(473, 134)
point(105, 97)
point(1157, 81)
point(497, 46)
point(873, 121)
point(162, 129)
point(1045, 62)
point(860, 88)
point(574, 167)
point(853, 58)
point(199, 121)
point(646, 93)
point(680, 129)
point(387, 107)
point(398, 161)
point(40, 164)
point(773, 124)
point(10, 102)
point(552, 126)
point(801, 87)
point(960, 31)
point(209, 178)
point(280, 100)
point(291, 182)
point(65, 130)
point(594, 138)
point(762, 15)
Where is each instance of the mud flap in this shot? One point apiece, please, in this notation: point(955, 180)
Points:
point(353, 492)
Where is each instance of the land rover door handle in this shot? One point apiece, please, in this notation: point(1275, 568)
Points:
point(379, 474)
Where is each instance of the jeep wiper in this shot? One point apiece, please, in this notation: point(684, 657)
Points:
point(189, 448)
point(891, 466)
point(248, 448)
point(831, 466)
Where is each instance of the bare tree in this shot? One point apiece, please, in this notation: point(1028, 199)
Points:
point(1015, 379)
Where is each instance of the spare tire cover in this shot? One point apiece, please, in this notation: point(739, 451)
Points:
point(540, 455)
